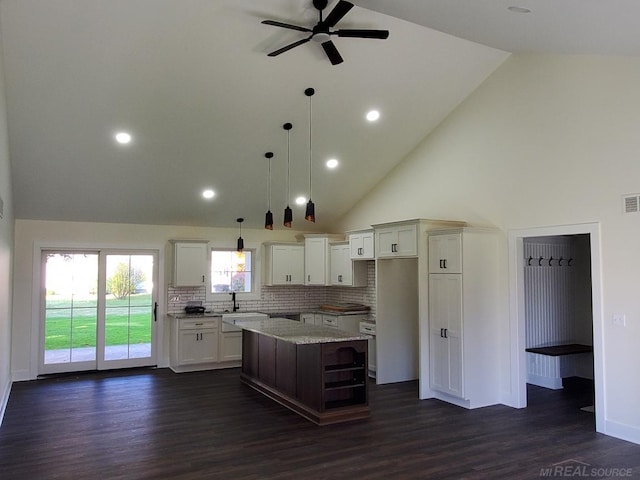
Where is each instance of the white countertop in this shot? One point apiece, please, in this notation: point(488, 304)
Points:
point(296, 332)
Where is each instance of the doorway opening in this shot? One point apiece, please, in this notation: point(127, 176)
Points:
point(98, 310)
point(558, 315)
point(556, 312)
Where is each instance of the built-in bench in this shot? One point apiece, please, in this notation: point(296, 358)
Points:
point(560, 350)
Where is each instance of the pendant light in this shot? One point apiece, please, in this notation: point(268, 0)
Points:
point(310, 213)
point(240, 245)
point(288, 213)
point(268, 219)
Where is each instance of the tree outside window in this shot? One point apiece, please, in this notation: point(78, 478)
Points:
point(231, 271)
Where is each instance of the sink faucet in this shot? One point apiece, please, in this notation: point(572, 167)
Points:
point(235, 305)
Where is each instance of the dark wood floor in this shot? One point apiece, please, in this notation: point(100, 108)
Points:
point(207, 425)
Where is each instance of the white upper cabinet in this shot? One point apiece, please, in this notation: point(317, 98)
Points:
point(317, 258)
point(361, 245)
point(189, 263)
point(284, 264)
point(445, 253)
point(400, 240)
point(344, 271)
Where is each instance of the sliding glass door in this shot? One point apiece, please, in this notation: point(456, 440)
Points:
point(98, 310)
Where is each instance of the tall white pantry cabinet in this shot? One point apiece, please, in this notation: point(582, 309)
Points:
point(463, 316)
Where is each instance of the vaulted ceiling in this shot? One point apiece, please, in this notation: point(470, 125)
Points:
point(192, 82)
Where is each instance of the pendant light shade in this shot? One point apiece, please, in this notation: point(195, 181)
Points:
point(310, 213)
point(240, 245)
point(268, 219)
point(288, 213)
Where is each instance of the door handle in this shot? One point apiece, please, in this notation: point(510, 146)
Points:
point(155, 311)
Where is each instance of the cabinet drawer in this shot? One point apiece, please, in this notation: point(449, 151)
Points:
point(330, 321)
point(193, 323)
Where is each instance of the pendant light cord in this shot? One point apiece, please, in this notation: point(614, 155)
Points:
point(310, 149)
point(288, 166)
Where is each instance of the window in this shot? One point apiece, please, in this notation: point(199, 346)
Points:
point(231, 271)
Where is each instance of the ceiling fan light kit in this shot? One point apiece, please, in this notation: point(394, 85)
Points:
point(322, 32)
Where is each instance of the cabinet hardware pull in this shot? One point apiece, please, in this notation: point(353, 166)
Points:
point(444, 262)
point(441, 333)
point(445, 333)
point(440, 263)
point(199, 323)
point(202, 278)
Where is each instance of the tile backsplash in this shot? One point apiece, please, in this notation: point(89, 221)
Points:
point(281, 298)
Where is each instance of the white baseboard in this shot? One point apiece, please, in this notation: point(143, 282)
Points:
point(6, 390)
point(21, 375)
point(629, 433)
point(554, 383)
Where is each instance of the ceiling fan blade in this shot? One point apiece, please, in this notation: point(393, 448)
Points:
point(286, 48)
point(339, 11)
point(332, 52)
point(381, 34)
point(286, 25)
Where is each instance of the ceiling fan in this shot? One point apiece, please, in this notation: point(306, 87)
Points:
point(322, 32)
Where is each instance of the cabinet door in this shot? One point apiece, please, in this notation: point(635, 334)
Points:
point(309, 318)
point(230, 346)
point(385, 239)
point(445, 334)
point(190, 264)
point(397, 241)
point(341, 271)
point(361, 246)
point(315, 261)
point(197, 346)
point(287, 264)
point(445, 253)
point(407, 243)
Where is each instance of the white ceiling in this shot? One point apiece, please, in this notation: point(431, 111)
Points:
point(190, 79)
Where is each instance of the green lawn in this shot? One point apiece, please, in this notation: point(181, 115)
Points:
point(127, 321)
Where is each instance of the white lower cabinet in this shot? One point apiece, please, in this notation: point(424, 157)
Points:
point(349, 323)
point(445, 334)
point(464, 319)
point(230, 346)
point(194, 342)
point(199, 343)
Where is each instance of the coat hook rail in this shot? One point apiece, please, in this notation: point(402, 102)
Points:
point(551, 261)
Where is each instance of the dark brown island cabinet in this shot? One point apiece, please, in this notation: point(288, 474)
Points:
point(318, 372)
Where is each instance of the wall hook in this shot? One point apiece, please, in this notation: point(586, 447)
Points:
point(550, 260)
point(569, 262)
point(529, 260)
point(560, 261)
point(540, 261)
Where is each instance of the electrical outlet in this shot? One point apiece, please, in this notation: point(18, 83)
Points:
point(620, 319)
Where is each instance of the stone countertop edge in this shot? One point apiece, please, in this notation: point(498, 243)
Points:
point(298, 333)
point(219, 314)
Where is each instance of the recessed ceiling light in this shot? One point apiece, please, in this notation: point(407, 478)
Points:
point(208, 194)
point(332, 163)
point(123, 137)
point(516, 9)
point(373, 115)
point(301, 201)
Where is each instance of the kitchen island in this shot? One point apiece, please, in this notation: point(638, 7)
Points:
point(318, 372)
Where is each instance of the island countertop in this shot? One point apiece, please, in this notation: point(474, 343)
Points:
point(296, 332)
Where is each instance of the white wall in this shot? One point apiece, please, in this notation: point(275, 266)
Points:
point(6, 253)
point(31, 235)
point(546, 140)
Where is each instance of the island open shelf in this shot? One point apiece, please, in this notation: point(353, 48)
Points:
point(318, 372)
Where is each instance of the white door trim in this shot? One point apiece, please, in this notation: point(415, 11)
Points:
point(517, 318)
point(162, 354)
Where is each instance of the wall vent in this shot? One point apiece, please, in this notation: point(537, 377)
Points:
point(631, 203)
